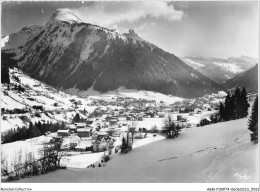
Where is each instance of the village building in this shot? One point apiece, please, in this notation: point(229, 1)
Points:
point(140, 135)
point(197, 110)
point(100, 135)
point(103, 145)
point(80, 125)
point(84, 145)
point(63, 133)
point(140, 116)
point(117, 133)
point(74, 141)
point(161, 115)
point(84, 132)
point(72, 128)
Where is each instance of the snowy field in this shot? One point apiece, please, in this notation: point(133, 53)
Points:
point(218, 153)
point(74, 160)
point(148, 95)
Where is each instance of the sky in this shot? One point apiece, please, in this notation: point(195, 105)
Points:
point(204, 28)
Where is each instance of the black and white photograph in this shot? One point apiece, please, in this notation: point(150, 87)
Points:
point(129, 95)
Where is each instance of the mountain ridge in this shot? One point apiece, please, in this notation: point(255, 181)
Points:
point(81, 55)
point(247, 79)
point(218, 69)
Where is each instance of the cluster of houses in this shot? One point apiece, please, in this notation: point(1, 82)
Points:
point(100, 131)
point(85, 138)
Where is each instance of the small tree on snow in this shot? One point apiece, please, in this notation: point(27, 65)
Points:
point(125, 147)
point(253, 121)
point(171, 130)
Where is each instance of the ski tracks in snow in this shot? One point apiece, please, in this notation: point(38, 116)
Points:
point(226, 145)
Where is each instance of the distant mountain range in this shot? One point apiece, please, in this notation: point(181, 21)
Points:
point(248, 79)
point(68, 53)
point(220, 70)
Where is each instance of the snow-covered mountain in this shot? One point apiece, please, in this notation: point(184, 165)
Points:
point(247, 79)
point(68, 53)
point(220, 70)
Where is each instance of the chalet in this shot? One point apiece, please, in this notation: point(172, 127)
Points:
point(84, 132)
point(140, 135)
point(161, 115)
point(206, 107)
point(205, 121)
point(117, 133)
point(72, 128)
point(140, 116)
point(116, 114)
point(179, 117)
point(100, 135)
point(63, 133)
point(80, 125)
point(109, 117)
point(56, 139)
point(90, 120)
point(74, 141)
point(110, 131)
point(113, 121)
point(103, 144)
point(167, 110)
point(197, 110)
point(84, 145)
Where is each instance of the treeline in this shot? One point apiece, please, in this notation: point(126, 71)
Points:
point(14, 111)
point(6, 63)
point(186, 110)
point(235, 106)
point(253, 122)
point(35, 130)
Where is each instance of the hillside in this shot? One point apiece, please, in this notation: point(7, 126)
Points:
point(21, 99)
point(217, 153)
point(68, 53)
point(248, 79)
point(220, 70)
point(28, 100)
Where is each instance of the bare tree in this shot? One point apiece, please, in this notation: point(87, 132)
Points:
point(4, 166)
point(132, 130)
point(171, 130)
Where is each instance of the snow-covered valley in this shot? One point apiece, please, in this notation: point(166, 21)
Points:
point(217, 153)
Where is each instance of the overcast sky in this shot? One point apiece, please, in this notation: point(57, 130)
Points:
point(212, 29)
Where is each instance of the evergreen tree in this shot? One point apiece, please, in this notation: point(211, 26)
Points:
point(76, 119)
point(227, 107)
point(5, 74)
point(124, 147)
point(30, 130)
point(244, 103)
point(232, 108)
point(222, 111)
point(238, 104)
point(253, 121)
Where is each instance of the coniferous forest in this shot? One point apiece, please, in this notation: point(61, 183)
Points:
point(253, 122)
point(235, 105)
point(34, 130)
